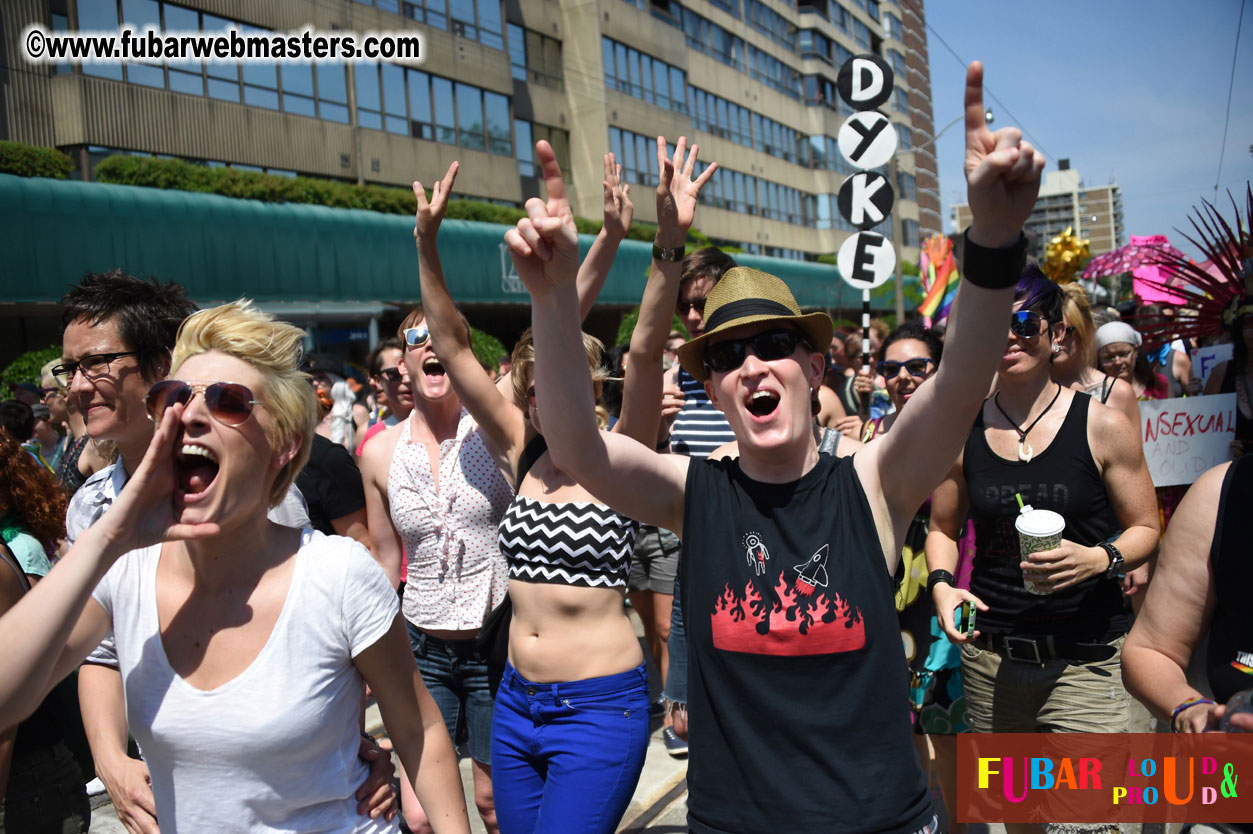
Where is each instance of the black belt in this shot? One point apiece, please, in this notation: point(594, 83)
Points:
point(1023, 649)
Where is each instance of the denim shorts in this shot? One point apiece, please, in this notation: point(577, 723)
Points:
point(676, 678)
point(655, 561)
point(456, 676)
point(45, 794)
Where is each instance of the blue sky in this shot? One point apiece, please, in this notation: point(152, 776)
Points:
point(1133, 91)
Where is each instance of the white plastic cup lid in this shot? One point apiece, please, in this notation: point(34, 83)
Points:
point(1040, 523)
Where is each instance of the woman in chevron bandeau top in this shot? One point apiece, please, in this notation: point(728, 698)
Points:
point(570, 726)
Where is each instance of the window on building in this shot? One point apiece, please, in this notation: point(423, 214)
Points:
point(632, 72)
point(905, 188)
point(909, 233)
point(525, 148)
point(892, 26)
point(537, 58)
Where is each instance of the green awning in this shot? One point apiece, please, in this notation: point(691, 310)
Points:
point(222, 248)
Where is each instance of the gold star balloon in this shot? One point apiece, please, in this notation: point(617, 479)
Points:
point(1065, 256)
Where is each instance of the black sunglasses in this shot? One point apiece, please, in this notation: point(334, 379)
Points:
point(772, 344)
point(93, 366)
point(1025, 323)
point(390, 374)
point(229, 402)
point(916, 367)
point(698, 305)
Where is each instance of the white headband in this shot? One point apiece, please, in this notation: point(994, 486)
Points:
point(1117, 332)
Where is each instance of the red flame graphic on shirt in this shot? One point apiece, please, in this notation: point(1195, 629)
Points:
point(794, 624)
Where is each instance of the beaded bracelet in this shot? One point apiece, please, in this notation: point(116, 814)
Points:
point(1188, 704)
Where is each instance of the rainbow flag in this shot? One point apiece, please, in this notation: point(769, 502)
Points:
point(939, 277)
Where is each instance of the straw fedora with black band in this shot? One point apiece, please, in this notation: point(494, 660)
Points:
point(749, 296)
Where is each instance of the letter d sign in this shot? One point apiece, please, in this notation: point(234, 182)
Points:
point(865, 82)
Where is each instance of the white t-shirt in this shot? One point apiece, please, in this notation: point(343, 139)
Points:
point(274, 749)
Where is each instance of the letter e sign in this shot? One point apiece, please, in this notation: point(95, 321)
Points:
point(866, 260)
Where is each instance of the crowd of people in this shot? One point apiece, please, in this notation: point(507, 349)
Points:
point(250, 543)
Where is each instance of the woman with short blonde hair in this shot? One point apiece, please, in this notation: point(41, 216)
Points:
point(244, 645)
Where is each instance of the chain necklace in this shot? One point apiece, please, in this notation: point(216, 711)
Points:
point(1025, 452)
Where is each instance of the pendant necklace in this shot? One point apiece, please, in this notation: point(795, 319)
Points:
point(1025, 452)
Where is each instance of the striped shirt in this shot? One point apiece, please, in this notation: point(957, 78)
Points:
point(567, 543)
point(701, 427)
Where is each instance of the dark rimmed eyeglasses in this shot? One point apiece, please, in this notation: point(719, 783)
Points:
point(729, 354)
point(1025, 323)
point(916, 367)
point(91, 367)
point(391, 374)
point(228, 402)
point(417, 336)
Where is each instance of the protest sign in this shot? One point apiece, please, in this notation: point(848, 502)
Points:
point(1204, 359)
point(1184, 436)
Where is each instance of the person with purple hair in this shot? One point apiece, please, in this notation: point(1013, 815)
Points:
point(1059, 450)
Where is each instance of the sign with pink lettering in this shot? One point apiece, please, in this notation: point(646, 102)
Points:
point(1187, 435)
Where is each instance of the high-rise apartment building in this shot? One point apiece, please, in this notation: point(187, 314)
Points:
point(751, 81)
point(1093, 213)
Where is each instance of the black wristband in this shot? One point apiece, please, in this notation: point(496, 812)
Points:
point(993, 269)
point(937, 576)
point(672, 255)
point(663, 445)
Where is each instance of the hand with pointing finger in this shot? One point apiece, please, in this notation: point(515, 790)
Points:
point(545, 245)
point(1002, 172)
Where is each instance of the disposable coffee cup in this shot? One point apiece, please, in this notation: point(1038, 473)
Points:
point(1037, 530)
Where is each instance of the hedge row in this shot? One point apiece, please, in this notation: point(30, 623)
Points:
point(271, 188)
point(26, 368)
point(31, 161)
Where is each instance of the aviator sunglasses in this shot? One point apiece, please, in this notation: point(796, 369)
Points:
point(1025, 323)
point(773, 344)
point(228, 402)
point(916, 367)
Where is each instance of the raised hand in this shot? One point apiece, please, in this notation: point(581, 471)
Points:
point(677, 192)
point(147, 511)
point(431, 214)
point(1002, 172)
point(545, 245)
point(618, 207)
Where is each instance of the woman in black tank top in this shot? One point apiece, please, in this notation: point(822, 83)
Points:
point(1200, 588)
point(1060, 452)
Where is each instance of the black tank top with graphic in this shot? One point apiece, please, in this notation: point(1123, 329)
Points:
point(1229, 660)
point(1062, 478)
point(798, 699)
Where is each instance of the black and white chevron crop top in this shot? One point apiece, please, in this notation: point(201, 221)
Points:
point(567, 543)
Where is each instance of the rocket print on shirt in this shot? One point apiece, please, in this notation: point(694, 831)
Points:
point(797, 614)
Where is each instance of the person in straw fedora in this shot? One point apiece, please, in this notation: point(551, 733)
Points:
point(787, 554)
